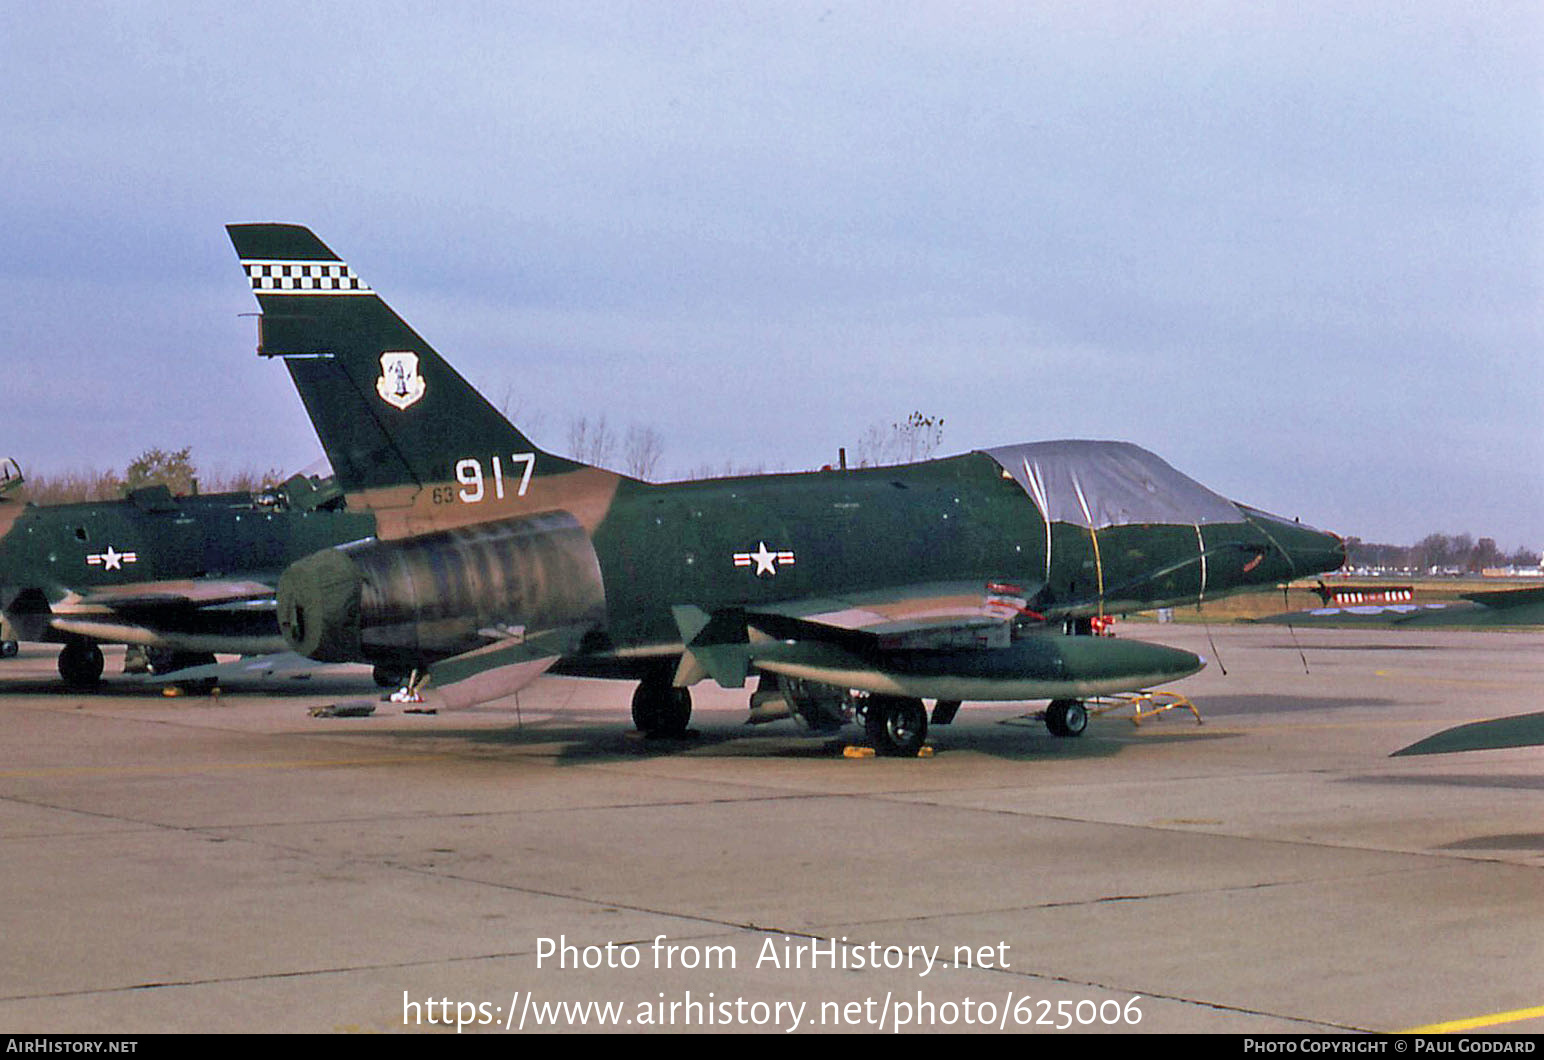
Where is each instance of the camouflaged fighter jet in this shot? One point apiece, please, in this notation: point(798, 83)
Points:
point(1395, 608)
point(1363, 606)
point(964, 578)
point(181, 577)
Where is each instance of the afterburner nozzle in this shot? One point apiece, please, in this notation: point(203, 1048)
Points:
point(319, 607)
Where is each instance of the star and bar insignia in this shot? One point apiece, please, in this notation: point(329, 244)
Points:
point(765, 559)
point(112, 559)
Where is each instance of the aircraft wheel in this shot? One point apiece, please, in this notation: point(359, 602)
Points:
point(136, 659)
point(198, 686)
point(1066, 717)
point(81, 664)
point(165, 661)
point(858, 704)
point(390, 677)
point(818, 708)
point(896, 726)
point(8, 649)
point(661, 709)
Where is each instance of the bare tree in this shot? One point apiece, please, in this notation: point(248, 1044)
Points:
point(591, 442)
point(642, 448)
point(72, 486)
point(517, 410)
point(915, 438)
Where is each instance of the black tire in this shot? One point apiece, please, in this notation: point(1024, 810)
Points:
point(81, 664)
point(816, 707)
point(661, 709)
point(8, 649)
point(389, 677)
point(163, 662)
point(1066, 717)
point(896, 726)
point(186, 660)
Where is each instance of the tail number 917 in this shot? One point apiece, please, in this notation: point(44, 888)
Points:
point(474, 482)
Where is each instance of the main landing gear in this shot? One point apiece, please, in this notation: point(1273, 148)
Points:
point(165, 661)
point(1066, 717)
point(895, 725)
point(660, 708)
point(81, 664)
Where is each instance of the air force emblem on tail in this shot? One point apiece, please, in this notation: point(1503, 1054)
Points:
point(400, 385)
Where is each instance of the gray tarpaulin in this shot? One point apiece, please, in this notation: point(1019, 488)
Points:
point(1100, 484)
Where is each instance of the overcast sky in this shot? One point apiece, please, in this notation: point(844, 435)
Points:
point(1295, 249)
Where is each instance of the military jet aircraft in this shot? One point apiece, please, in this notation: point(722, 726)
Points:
point(182, 577)
point(1349, 607)
point(1378, 607)
point(964, 578)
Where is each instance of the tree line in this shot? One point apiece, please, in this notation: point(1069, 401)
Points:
point(1460, 552)
point(173, 468)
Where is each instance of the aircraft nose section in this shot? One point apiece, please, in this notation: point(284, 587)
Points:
point(1306, 549)
point(1317, 551)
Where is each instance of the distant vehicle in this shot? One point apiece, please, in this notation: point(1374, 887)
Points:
point(180, 577)
point(964, 578)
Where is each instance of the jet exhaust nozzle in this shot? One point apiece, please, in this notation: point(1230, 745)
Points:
point(417, 600)
point(319, 607)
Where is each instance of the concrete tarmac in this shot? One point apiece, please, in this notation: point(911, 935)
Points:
point(231, 863)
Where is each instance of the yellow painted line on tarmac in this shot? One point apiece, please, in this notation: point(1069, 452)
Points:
point(210, 767)
point(1306, 726)
point(1517, 1015)
point(1458, 681)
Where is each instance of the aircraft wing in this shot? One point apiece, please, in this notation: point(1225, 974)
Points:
point(501, 668)
point(284, 665)
point(198, 615)
point(935, 641)
point(195, 592)
point(1526, 603)
point(948, 642)
point(1380, 616)
point(934, 614)
point(1524, 730)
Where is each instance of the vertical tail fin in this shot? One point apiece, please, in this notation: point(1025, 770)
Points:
point(389, 410)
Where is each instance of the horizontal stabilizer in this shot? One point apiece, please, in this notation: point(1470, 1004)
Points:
point(273, 666)
point(496, 670)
